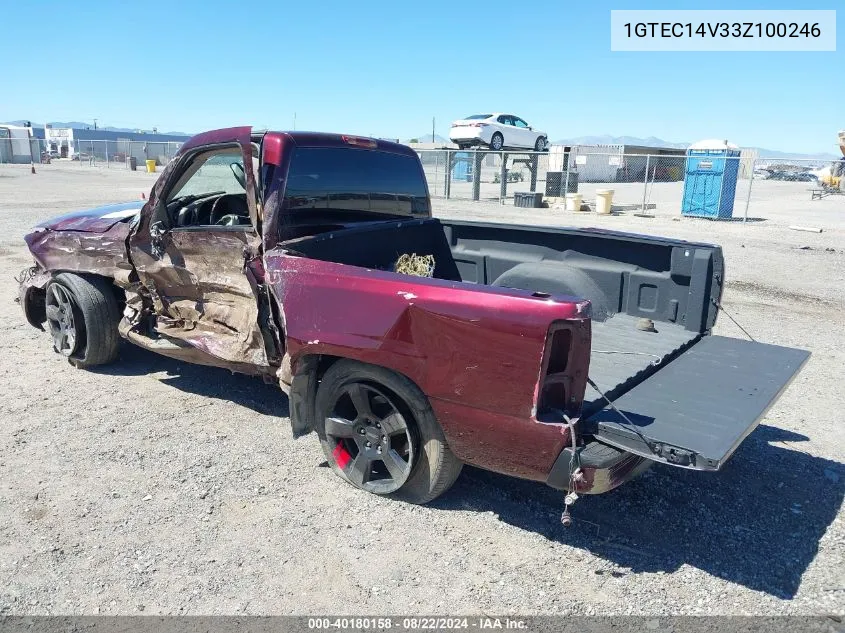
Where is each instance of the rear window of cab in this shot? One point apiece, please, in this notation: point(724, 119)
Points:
point(355, 179)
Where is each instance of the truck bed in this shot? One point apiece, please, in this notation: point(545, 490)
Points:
point(686, 397)
point(622, 355)
point(626, 277)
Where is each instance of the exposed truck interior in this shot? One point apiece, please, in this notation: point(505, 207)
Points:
point(653, 300)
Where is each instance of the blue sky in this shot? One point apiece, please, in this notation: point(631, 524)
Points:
point(387, 68)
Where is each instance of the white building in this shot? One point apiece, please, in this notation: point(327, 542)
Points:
point(60, 141)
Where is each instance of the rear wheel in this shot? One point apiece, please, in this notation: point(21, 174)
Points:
point(82, 315)
point(497, 142)
point(378, 432)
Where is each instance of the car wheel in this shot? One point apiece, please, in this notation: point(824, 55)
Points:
point(378, 433)
point(497, 142)
point(540, 144)
point(82, 316)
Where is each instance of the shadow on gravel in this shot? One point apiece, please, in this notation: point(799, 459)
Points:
point(247, 391)
point(756, 523)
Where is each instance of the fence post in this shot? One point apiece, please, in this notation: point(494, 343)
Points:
point(748, 196)
point(477, 157)
point(645, 180)
point(568, 163)
point(448, 181)
point(534, 163)
point(503, 178)
point(436, 170)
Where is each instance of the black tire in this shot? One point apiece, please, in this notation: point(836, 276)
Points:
point(433, 468)
point(540, 144)
point(95, 315)
point(497, 145)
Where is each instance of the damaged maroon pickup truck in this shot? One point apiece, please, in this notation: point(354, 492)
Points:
point(574, 357)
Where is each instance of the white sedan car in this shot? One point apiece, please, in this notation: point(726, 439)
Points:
point(497, 131)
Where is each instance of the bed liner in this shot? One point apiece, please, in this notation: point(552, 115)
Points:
point(622, 355)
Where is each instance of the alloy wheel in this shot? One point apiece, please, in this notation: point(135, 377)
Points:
point(60, 319)
point(370, 440)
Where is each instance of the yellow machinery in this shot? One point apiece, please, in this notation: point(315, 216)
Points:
point(834, 178)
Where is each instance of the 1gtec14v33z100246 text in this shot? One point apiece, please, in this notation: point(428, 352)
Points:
point(723, 29)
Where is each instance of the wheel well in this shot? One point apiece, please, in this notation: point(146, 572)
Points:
point(34, 306)
point(119, 293)
point(324, 361)
point(34, 300)
point(303, 392)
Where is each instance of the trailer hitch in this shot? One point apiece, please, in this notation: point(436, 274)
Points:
point(570, 498)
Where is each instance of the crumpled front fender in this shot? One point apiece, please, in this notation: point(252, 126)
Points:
point(32, 282)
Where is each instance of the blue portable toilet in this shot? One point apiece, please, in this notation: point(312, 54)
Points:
point(710, 180)
point(463, 167)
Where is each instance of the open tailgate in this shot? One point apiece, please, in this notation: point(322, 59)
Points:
point(696, 410)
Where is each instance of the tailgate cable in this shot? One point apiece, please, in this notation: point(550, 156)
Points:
point(628, 422)
point(719, 305)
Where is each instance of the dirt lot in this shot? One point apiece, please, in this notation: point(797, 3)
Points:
point(157, 487)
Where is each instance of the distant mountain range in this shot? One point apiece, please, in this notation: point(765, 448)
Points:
point(426, 138)
point(80, 125)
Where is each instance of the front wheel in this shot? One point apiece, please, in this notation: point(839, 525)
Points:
point(540, 144)
point(378, 432)
point(82, 316)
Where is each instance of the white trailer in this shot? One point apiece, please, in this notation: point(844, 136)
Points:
point(16, 144)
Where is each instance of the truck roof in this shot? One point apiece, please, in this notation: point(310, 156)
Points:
point(328, 139)
point(301, 139)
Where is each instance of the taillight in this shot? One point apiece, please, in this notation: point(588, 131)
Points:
point(359, 141)
point(272, 149)
point(554, 381)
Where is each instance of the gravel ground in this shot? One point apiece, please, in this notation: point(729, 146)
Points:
point(158, 487)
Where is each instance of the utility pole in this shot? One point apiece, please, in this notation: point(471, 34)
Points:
point(95, 124)
point(432, 129)
point(294, 121)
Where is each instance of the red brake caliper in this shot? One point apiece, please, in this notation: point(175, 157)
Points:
point(341, 456)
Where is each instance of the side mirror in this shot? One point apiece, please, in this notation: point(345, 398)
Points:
point(239, 173)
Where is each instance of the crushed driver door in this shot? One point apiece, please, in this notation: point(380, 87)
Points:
point(194, 249)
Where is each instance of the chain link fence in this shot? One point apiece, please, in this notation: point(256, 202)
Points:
point(112, 154)
point(649, 184)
